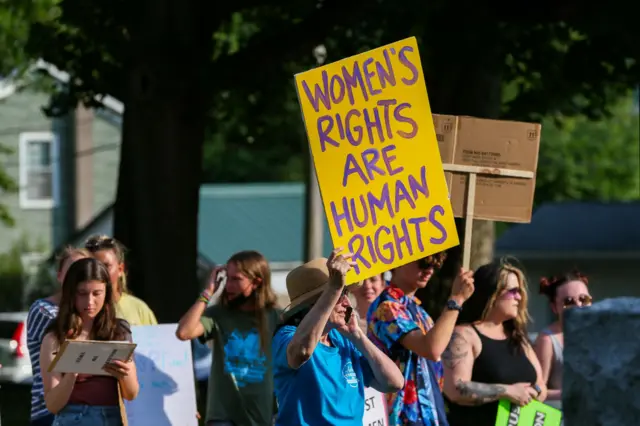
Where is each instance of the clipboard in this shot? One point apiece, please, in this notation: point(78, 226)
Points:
point(90, 356)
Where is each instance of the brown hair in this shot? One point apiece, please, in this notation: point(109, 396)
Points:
point(68, 323)
point(96, 243)
point(67, 253)
point(549, 285)
point(254, 266)
point(490, 281)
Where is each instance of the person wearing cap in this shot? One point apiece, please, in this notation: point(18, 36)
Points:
point(322, 359)
point(399, 326)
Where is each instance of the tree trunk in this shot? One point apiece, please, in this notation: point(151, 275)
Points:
point(156, 212)
point(464, 77)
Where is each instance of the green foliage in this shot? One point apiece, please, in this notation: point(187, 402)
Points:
point(8, 186)
point(13, 276)
point(590, 160)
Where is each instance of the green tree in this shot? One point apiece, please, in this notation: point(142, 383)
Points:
point(172, 62)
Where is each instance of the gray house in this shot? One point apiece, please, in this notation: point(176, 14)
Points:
point(602, 240)
point(66, 168)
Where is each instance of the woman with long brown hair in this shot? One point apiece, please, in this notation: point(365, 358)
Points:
point(564, 292)
point(111, 252)
point(489, 356)
point(41, 313)
point(87, 312)
point(241, 327)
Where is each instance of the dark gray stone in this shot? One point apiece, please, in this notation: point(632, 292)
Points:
point(601, 383)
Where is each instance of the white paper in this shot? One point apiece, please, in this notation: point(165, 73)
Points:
point(375, 408)
point(90, 356)
point(167, 394)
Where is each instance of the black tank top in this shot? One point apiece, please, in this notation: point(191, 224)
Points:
point(497, 363)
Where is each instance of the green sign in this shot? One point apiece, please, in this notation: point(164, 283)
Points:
point(533, 414)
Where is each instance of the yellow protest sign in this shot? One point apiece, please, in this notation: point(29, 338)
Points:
point(376, 156)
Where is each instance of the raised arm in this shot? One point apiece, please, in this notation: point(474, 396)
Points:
point(309, 332)
point(458, 362)
point(57, 387)
point(191, 324)
point(432, 344)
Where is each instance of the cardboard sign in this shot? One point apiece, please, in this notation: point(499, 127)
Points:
point(533, 414)
point(374, 148)
point(165, 372)
point(375, 408)
point(89, 356)
point(490, 144)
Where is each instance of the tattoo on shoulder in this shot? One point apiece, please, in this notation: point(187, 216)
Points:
point(480, 393)
point(457, 350)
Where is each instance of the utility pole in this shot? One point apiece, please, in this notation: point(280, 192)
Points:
point(314, 223)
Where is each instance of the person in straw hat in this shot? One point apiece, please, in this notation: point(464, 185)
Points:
point(322, 359)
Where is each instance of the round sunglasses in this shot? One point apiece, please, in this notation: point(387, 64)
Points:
point(580, 301)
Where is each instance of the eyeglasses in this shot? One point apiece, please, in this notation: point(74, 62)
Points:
point(429, 262)
point(95, 245)
point(582, 300)
point(512, 292)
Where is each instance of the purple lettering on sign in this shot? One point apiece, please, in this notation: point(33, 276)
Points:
point(374, 123)
point(355, 141)
point(385, 104)
point(416, 221)
point(356, 247)
point(419, 187)
point(402, 195)
point(404, 238)
point(353, 81)
point(388, 158)
point(437, 209)
point(339, 217)
point(402, 57)
point(368, 75)
point(318, 94)
point(351, 166)
point(370, 158)
point(354, 212)
point(397, 114)
point(388, 247)
point(337, 82)
point(325, 124)
point(386, 75)
point(382, 203)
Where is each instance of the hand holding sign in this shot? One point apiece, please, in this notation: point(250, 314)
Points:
point(520, 393)
point(376, 157)
point(462, 287)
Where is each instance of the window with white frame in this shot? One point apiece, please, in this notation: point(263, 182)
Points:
point(37, 151)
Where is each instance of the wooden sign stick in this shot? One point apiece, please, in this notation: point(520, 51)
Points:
point(470, 197)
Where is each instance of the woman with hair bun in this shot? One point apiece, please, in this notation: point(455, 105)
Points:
point(564, 292)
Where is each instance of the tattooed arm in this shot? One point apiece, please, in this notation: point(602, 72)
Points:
point(458, 361)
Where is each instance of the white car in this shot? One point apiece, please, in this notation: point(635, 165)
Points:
point(15, 365)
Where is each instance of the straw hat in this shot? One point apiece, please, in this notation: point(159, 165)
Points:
point(305, 284)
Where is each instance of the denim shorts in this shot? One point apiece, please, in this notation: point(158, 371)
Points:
point(88, 415)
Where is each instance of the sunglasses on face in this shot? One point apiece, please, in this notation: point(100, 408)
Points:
point(107, 243)
point(429, 262)
point(512, 292)
point(582, 300)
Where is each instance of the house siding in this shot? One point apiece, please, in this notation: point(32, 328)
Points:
point(22, 112)
point(19, 113)
point(106, 155)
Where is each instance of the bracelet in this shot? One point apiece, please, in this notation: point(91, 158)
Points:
point(204, 297)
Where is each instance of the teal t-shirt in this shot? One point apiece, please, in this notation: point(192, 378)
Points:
point(241, 382)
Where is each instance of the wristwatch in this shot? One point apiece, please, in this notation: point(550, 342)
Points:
point(452, 305)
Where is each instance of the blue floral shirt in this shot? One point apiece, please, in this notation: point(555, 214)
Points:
point(391, 316)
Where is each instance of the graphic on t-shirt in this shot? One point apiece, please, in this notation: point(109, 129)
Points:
point(350, 375)
point(244, 359)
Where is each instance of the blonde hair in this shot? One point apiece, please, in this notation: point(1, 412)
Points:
point(490, 282)
point(67, 253)
point(254, 266)
point(96, 243)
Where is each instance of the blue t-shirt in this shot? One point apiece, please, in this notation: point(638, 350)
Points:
point(327, 390)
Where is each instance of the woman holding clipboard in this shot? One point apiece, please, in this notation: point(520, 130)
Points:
point(87, 312)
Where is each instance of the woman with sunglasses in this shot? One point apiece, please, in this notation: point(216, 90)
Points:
point(564, 292)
